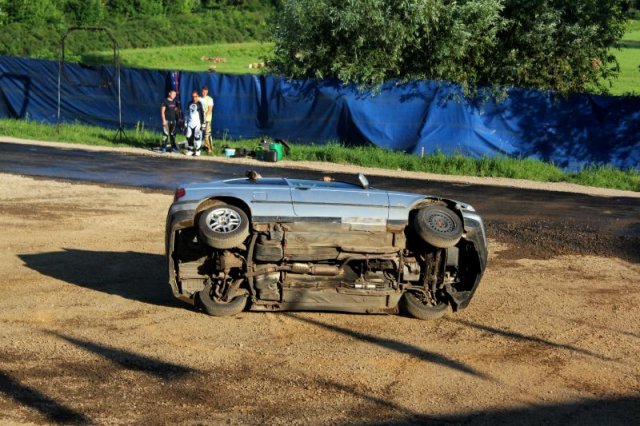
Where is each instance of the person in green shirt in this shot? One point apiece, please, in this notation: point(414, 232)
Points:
point(207, 106)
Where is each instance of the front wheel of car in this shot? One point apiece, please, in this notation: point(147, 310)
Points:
point(412, 304)
point(438, 226)
point(223, 226)
point(207, 300)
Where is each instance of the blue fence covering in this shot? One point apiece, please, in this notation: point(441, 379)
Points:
point(415, 117)
point(29, 88)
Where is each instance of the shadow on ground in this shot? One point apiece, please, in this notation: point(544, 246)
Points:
point(623, 410)
point(128, 359)
point(52, 410)
point(396, 346)
point(516, 336)
point(132, 275)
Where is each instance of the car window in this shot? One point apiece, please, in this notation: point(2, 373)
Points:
point(321, 184)
point(261, 181)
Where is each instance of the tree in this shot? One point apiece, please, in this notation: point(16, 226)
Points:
point(84, 12)
point(132, 8)
point(33, 12)
point(370, 41)
point(550, 44)
point(3, 12)
point(180, 7)
point(559, 45)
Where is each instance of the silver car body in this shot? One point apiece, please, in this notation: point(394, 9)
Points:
point(335, 209)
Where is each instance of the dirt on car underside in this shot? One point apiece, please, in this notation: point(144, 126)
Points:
point(91, 334)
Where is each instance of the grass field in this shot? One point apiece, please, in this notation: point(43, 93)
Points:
point(237, 57)
point(629, 57)
point(605, 177)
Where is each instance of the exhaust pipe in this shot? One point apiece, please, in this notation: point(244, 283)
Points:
point(307, 268)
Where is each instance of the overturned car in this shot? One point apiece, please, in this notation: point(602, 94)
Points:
point(273, 244)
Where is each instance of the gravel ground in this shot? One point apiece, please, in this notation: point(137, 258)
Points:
point(91, 334)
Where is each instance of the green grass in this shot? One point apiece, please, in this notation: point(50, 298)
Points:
point(628, 56)
point(369, 156)
point(77, 133)
point(238, 56)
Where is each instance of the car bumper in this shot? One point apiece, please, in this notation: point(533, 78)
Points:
point(474, 232)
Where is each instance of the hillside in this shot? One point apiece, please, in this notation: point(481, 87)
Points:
point(34, 29)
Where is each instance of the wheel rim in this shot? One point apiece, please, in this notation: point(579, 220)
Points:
point(441, 222)
point(223, 220)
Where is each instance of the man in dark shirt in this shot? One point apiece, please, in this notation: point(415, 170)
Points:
point(169, 112)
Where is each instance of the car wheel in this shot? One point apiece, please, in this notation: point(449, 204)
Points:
point(218, 308)
point(412, 305)
point(439, 226)
point(223, 226)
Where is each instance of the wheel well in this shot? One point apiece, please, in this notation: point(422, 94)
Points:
point(227, 200)
point(433, 201)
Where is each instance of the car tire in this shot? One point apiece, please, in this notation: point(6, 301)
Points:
point(223, 226)
point(215, 308)
point(410, 304)
point(438, 226)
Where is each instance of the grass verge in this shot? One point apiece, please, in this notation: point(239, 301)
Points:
point(367, 156)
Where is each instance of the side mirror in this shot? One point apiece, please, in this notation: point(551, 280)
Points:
point(364, 182)
point(253, 175)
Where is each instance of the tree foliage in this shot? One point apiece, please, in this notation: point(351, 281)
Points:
point(34, 27)
point(549, 44)
point(560, 45)
point(30, 12)
point(84, 12)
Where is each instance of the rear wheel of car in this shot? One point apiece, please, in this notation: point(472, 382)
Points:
point(438, 225)
point(412, 304)
point(223, 226)
point(206, 300)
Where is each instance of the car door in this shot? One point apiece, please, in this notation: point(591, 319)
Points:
point(268, 198)
point(338, 202)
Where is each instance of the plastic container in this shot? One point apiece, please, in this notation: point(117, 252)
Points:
point(259, 151)
point(277, 147)
point(271, 156)
point(229, 152)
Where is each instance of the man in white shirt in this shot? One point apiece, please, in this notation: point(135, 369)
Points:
point(207, 105)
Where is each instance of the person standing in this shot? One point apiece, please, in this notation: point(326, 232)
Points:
point(207, 105)
point(195, 124)
point(169, 113)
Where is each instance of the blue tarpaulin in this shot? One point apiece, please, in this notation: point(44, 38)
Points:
point(416, 117)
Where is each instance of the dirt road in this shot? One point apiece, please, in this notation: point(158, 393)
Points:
point(90, 334)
